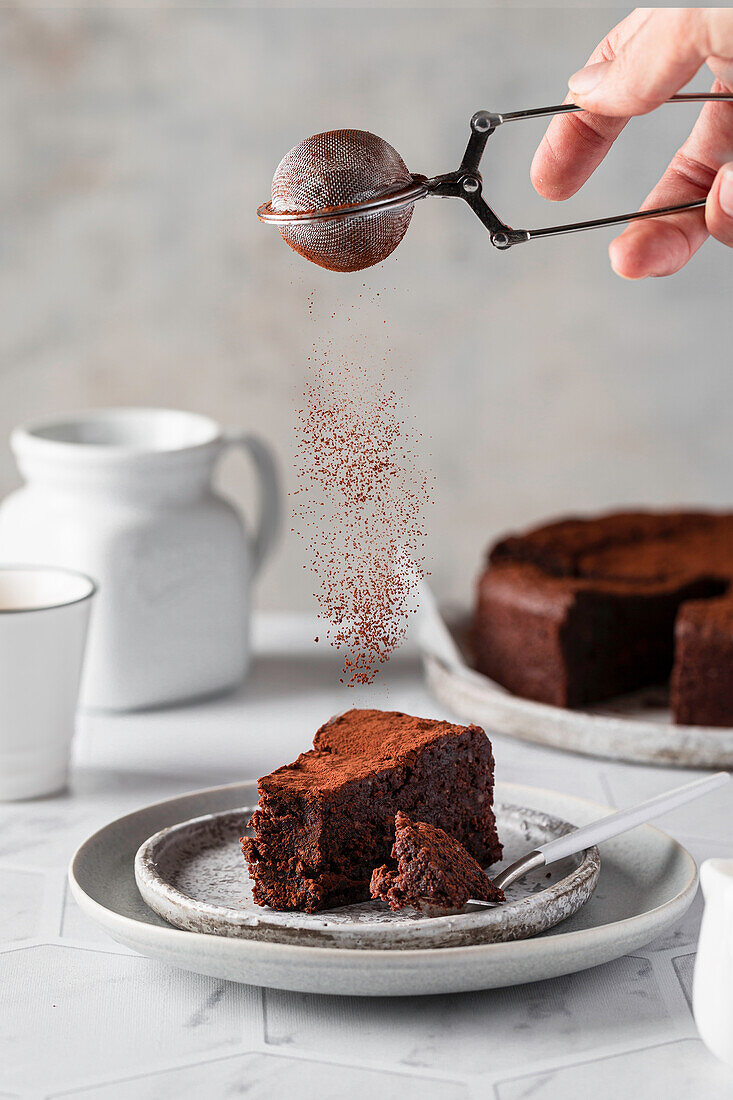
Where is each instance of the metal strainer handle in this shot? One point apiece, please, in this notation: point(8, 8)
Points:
point(466, 183)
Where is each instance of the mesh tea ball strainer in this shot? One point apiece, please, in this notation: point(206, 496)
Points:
point(344, 199)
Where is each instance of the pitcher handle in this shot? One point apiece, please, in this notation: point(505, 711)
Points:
point(268, 478)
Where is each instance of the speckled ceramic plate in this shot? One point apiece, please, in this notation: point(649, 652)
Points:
point(646, 884)
point(194, 876)
point(637, 727)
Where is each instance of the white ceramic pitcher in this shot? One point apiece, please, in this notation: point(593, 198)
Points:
point(712, 996)
point(125, 495)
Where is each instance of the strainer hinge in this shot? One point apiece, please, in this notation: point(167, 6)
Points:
point(467, 183)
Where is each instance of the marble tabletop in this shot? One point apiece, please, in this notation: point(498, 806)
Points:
point(81, 1016)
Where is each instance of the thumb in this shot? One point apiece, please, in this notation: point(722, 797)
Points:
point(719, 206)
point(657, 60)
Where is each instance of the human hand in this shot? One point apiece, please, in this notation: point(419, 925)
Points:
point(644, 60)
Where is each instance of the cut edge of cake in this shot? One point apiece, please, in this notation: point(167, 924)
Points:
point(556, 623)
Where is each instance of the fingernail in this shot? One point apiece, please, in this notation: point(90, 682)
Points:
point(725, 193)
point(585, 80)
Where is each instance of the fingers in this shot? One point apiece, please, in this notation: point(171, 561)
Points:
point(719, 207)
point(574, 145)
point(662, 246)
point(664, 51)
point(570, 152)
point(644, 60)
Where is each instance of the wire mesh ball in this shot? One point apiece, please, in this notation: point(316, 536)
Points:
point(335, 169)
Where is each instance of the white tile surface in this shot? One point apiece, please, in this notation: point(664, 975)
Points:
point(684, 968)
point(99, 1011)
point(438, 1032)
point(117, 1025)
point(670, 1070)
point(261, 1075)
point(551, 773)
point(21, 898)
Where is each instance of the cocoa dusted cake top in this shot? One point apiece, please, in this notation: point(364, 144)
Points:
point(631, 548)
point(354, 745)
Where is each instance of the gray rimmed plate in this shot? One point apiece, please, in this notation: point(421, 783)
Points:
point(193, 875)
point(646, 884)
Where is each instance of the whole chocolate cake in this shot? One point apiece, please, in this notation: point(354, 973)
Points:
point(326, 821)
point(584, 609)
point(430, 870)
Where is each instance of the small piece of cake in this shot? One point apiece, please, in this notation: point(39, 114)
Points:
point(433, 871)
point(326, 821)
point(702, 677)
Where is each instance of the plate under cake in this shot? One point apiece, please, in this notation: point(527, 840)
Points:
point(646, 884)
point(582, 610)
point(324, 822)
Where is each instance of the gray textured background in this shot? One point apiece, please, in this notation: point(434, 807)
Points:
point(137, 145)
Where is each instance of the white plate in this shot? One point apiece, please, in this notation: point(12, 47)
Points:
point(636, 727)
point(647, 882)
point(194, 876)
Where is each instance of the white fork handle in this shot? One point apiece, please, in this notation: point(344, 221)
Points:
point(623, 820)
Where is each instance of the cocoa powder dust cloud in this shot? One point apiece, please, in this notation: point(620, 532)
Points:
point(362, 492)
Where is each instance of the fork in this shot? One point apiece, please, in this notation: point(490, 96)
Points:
point(604, 829)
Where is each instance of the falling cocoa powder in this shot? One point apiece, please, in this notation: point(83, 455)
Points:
point(360, 503)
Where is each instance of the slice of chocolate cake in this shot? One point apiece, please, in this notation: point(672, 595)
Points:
point(430, 871)
point(324, 822)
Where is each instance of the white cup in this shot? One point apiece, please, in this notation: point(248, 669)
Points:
point(44, 615)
